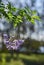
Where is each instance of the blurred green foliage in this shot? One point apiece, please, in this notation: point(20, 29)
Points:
point(33, 59)
point(16, 15)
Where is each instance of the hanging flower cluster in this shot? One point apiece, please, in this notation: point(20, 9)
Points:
point(12, 45)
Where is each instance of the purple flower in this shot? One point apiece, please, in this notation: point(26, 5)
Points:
point(12, 45)
point(15, 44)
point(5, 36)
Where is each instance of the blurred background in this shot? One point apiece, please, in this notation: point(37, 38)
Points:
point(32, 50)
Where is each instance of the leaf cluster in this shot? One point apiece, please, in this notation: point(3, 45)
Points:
point(16, 15)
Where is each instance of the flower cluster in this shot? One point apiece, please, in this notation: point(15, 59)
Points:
point(14, 45)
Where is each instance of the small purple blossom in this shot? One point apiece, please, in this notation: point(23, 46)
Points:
point(12, 45)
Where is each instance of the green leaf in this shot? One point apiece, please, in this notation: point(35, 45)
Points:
point(15, 25)
point(9, 6)
point(13, 9)
point(27, 9)
point(28, 17)
point(19, 17)
point(20, 21)
point(10, 15)
point(32, 21)
point(34, 12)
point(36, 17)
